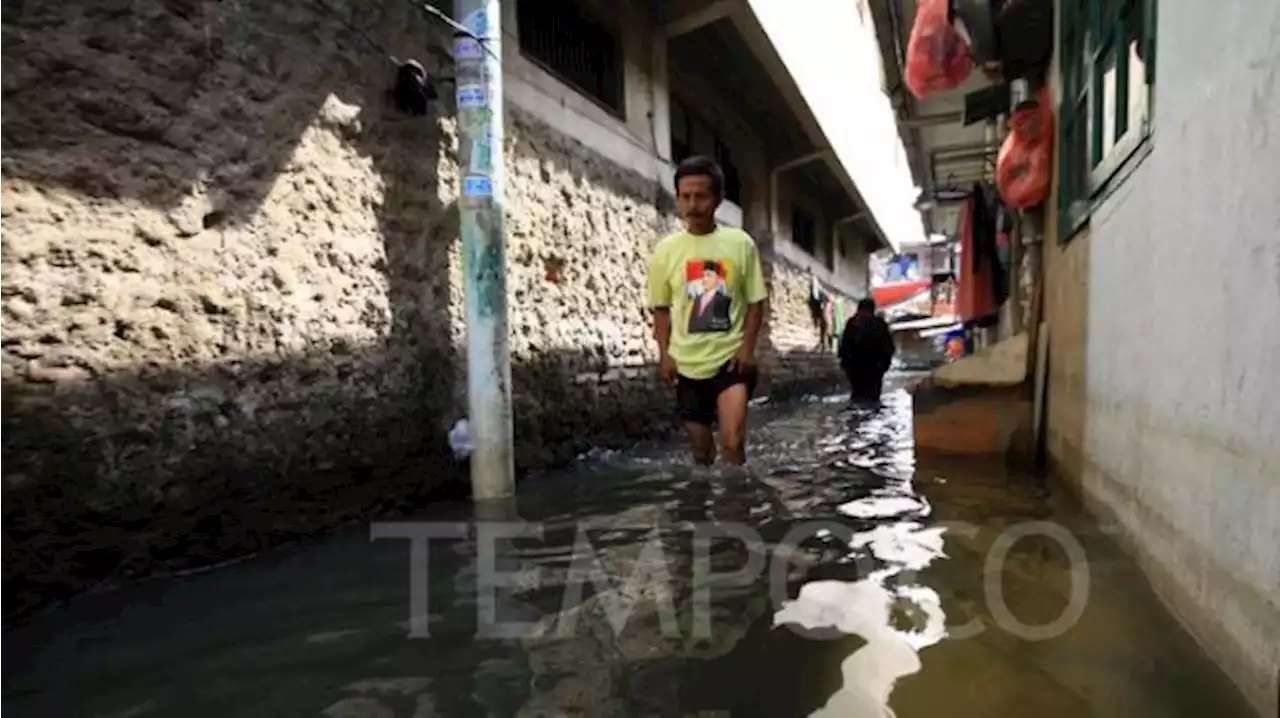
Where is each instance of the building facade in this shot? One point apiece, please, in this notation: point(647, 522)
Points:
point(1161, 402)
point(233, 299)
point(1160, 228)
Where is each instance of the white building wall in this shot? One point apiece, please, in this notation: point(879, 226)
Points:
point(853, 264)
point(1179, 278)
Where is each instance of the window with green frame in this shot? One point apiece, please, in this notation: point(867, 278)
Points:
point(1107, 64)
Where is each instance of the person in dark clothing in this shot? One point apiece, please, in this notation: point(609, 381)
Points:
point(866, 350)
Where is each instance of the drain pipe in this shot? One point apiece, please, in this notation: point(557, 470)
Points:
point(835, 226)
point(775, 223)
point(846, 220)
point(835, 239)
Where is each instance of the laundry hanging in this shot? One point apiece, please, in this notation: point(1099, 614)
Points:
point(980, 275)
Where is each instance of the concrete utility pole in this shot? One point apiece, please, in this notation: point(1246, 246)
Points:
point(478, 71)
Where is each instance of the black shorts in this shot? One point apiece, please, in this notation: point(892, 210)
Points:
point(696, 398)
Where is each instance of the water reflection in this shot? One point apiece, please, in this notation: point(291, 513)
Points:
point(901, 545)
point(869, 674)
point(861, 628)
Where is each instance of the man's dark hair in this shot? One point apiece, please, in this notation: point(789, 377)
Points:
point(700, 166)
point(866, 304)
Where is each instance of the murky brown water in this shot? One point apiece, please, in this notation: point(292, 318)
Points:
point(916, 597)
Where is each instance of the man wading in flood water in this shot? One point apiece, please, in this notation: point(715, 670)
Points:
point(866, 351)
point(706, 288)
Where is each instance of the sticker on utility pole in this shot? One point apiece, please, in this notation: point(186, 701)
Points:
point(477, 187)
point(477, 22)
point(481, 157)
point(467, 48)
point(472, 96)
point(474, 119)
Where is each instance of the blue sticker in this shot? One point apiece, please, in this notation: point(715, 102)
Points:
point(477, 22)
point(468, 49)
point(472, 96)
point(477, 187)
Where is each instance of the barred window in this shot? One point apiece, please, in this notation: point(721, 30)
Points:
point(561, 38)
point(691, 135)
point(804, 231)
point(1107, 66)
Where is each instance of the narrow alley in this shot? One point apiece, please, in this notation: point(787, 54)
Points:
point(325, 630)
point(355, 356)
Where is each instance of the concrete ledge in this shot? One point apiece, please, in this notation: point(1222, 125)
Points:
point(1002, 364)
point(973, 420)
point(977, 406)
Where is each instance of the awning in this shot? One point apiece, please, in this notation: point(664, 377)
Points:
point(942, 325)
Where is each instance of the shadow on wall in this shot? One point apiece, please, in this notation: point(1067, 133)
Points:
point(198, 111)
point(227, 435)
point(192, 478)
point(195, 109)
point(229, 441)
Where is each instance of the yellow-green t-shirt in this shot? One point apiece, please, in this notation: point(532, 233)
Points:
point(706, 281)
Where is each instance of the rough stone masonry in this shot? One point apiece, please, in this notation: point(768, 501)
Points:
point(232, 297)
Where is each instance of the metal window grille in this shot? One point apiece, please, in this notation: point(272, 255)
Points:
point(581, 51)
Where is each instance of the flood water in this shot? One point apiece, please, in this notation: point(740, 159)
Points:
point(835, 577)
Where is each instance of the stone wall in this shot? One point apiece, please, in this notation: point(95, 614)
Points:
point(226, 276)
point(232, 299)
point(792, 359)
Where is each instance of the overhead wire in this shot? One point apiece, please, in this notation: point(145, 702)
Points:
point(426, 8)
point(458, 28)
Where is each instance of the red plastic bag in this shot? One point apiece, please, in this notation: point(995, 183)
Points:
point(1025, 163)
point(938, 58)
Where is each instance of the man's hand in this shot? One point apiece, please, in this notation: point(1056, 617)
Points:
point(744, 361)
point(667, 369)
point(662, 333)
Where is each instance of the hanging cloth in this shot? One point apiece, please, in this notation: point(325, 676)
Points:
point(999, 252)
point(986, 244)
point(829, 315)
point(975, 295)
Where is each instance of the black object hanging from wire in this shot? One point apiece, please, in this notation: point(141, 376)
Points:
point(414, 89)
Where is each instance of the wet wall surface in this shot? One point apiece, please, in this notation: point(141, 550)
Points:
point(836, 576)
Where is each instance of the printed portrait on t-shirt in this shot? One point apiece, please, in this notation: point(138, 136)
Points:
point(707, 284)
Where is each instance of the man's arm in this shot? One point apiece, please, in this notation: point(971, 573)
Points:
point(757, 300)
point(751, 330)
point(659, 295)
point(662, 329)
